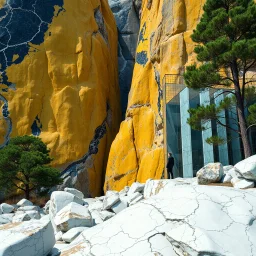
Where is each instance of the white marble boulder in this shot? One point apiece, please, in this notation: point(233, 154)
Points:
point(24, 202)
point(6, 218)
point(73, 233)
point(6, 208)
point(60, 199)
point(33, 238)
point(247, 168)
point(136, 187)
point(71, 216)
point(75, 192)
point(180, 219)
point(242, 183)
point(210, 173)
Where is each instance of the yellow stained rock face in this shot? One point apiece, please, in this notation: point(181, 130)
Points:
point(59, 81)
point(164, 47)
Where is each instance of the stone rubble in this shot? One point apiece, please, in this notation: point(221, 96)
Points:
point(161, 217)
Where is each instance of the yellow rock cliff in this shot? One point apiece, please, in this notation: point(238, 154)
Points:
point(58, 80)
point(164, 47)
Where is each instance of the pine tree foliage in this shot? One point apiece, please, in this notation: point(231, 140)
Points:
point(226, 52)
point(24, 165)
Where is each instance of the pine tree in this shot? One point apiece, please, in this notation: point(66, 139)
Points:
point(24, 165)
point(226, 52)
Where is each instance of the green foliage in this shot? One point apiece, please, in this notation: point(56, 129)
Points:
point(24, 164)
point(252, 115)
point(215, 140)
point(226, 36)
point(226, 51)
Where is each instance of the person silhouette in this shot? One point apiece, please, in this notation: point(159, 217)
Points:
point(170, 165)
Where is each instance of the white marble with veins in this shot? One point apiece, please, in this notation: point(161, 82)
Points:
point(32, 238)
point(178, 218)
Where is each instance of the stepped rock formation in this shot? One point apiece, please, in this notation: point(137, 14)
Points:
point(164, 47)
point(59, 81)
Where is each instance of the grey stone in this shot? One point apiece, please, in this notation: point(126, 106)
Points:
point(210, 173)
point(73, 233)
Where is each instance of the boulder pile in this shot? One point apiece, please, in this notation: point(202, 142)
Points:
point(242, 175)
point(161, 217)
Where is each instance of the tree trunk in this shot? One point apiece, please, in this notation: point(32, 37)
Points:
point(240, 112)
point(27, 192)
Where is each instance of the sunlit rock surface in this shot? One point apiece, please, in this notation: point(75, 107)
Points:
point(178, 217)
point(164, 47)
point(26, 238)
point(59, 81)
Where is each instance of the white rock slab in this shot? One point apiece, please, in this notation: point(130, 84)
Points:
point(247, 168)
point(21, 217)
point(89, 201)
point(60, 199)
point(134, 196)
point(28, 208)
point(185, 218)
point(119, 206)
point(226, 168)
point(6, 218)
point(33, 238)
point(105, 215)
point(75, 192)
point(73, 215)
point(136, 200)
point(24, 202)
point(96, 217)
point(6, 208)
point(73, 233)
point(242, 183)
point(58, 236)
point(124, 191)
point(210, 173)
point(110, 200)
point(227, 178)
point(34, 215)
point(136, 187)
point(97, 205)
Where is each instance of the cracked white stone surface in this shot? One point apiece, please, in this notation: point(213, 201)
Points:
point(180, 218)
point(32, 238)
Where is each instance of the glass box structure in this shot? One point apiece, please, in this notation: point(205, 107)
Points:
point(189, 147)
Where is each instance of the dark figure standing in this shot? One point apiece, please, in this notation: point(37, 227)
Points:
point(170, 165)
